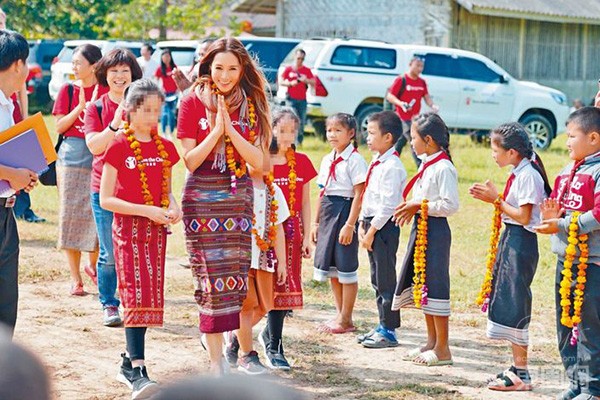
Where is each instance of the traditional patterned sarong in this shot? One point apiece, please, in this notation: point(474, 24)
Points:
point(76, 228)
point(140, 246)
point(218, 237)
point(289, 295)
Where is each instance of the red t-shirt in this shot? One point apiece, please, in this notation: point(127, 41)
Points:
point(61, 106)
point(167, 80)
point(192, 122)
point(297, 92)
point(305, 172)
point(128, 186)
point(92, 123)
point(415, 89)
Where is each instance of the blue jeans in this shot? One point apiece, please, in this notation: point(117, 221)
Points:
point(107, 275)
point(168, 115)
point(300, 107)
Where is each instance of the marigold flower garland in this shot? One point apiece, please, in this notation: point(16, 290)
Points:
point(235, 171)
point(135, 145)
point(483, 299)
point(265, 245)
point(420, 259)
point(575, 241)
point(290, 156)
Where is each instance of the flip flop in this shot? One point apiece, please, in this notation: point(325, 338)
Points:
point(411, 355)
point(509, 382)
point(431, 360)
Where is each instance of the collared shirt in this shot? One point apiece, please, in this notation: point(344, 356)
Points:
point(148, 67)
point(527, 188)
point(6, 120)
point(439, 185)
point(350, 172)
point(384, 192)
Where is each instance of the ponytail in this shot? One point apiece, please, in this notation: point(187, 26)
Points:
point(538, 165)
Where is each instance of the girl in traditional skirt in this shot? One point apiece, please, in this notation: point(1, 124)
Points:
point(341, 178)
point(292, 172)
point(223, 124)
point(76, 228)
point(509, 311)
point(136, 187)
point(435, 197)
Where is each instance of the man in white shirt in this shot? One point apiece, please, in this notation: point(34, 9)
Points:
point(147, 63)
point(14, 50)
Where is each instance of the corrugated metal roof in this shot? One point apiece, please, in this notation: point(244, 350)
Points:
point(553, 10)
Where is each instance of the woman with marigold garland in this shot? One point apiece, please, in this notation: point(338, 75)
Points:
point(424, 280)
point(507, 292)
point(292, 172)
point(224, 124)
point(136, 187)
point(572, 216)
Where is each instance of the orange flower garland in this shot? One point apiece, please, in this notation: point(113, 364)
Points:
point(420, 258)
point(483, 299)
point(575, 241)
point(290, 156)
point(263, 244)
point(135, 145)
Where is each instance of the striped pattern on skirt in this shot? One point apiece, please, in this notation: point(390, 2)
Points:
point(289, 295)
point(218, 227)
point(140, 246)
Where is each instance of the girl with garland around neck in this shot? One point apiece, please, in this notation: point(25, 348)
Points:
point(506, 294)
point(224, 124)
point(571, 215)
point(292, 172)
point(424, 280)
point(341, 178)
point(136, 187)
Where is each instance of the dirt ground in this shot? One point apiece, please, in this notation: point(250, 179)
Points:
point(83, 356)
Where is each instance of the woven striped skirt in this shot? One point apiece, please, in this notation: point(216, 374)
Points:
point(218, 227)
point(289, 295)
point(139, 246)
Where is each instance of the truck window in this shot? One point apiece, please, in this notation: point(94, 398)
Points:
point(475, 70)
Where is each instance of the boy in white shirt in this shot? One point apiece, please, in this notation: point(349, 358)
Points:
point(378, 234)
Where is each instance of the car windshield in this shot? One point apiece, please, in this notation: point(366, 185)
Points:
point(312, 50)
point(66, 54)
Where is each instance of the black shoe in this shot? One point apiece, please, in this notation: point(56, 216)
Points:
point(231, 350)
point(125, 374)
point(143, 387)
point(277, 361)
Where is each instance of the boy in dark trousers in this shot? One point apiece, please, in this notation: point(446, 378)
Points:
point(577, 189)
point(378, 234)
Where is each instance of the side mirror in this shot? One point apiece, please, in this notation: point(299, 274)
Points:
point(503, 78)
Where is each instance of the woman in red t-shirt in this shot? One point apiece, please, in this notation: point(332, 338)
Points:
point(76, 229)
point(136, 186)
point(224, 125)
point(117, 69)
point(165, 75)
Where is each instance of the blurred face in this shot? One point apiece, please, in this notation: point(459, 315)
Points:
point(416, 67)
point(285, 131)
point(299, 58)
point(81, 66)
point(202, 51)
point(144, 117)
point(376, 140)
point(145, 52)
point(579, 144)
point(502, 156)
point(419, 145)
point(118, 78)
point(166, 58)
point(338, 136)
point(225, 71)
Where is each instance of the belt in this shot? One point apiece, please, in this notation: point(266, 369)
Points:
point(8, 202)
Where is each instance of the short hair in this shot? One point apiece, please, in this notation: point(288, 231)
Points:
point(388, 122)
point(118, 56)
point(301, 52)
point(13, 47)
point(586, 118)
point(148, 46)
point(91, 53)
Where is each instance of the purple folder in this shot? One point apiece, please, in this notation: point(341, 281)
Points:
point(22, 151)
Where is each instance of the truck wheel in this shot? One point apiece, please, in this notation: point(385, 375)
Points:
point(362, 118)
point(539, 129)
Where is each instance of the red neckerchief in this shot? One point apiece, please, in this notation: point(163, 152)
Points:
point(411, 183)
point(509, 183)
point(373, 165)
point(567, 187)
point(331, 174)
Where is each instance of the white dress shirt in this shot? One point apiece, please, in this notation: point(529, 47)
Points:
point(384, 190)
point(526, 188)
point(348, 173)
point(148, 67)
point(439, 185)
point(6, 120)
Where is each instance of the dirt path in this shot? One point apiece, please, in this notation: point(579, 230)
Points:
point(83, 356)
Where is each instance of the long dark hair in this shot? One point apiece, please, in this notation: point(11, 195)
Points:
point(514, 136)
point(163, 66)
point(431, 124)
point(91, 53)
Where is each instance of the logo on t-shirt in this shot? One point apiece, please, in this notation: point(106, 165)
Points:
point(130, 162)
point(203, 124)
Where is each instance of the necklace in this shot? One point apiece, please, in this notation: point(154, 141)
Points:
point(420, 259)
point(271, 232)
point(290, 156)
point(483, 299)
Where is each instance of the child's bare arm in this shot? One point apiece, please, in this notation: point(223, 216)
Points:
point(347, 231)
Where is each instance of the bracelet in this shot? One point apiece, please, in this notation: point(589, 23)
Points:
point(111, 128)
point(350, 226)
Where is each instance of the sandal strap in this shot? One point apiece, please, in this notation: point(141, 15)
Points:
point(511, 379)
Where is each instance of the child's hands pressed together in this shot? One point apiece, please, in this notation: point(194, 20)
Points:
point(551, 209)
point(346, 234)
point(405, 211)
point(486, 191)
point(175, 213)
point(158, 215)
point(548, 226)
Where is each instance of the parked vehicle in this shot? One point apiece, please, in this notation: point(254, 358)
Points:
point(473, 93)
point(182, 51)
point(62, 70)
point(269, 52)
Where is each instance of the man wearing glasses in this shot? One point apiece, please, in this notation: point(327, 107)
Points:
point(296, 78)
point(406, 93)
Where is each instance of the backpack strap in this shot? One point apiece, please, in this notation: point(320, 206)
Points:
point(402, 87)
point(98, 104)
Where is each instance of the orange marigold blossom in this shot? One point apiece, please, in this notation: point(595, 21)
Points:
point(271, 225)
point(483, 299)
point(420, 258)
